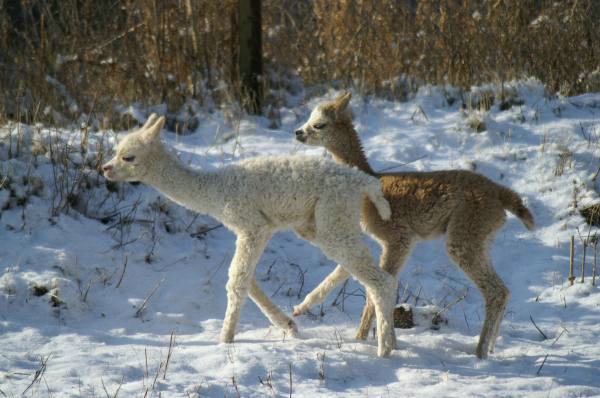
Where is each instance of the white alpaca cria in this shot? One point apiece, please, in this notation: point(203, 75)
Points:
point(254, 198)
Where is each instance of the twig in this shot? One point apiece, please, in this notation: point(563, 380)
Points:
point(187, 229)
point(301, 273)
point(235, 385)
point(119, 387)
point(447, 306)
point(585, 242)
point(122, 273)
point(585, 245)
point(465, 316)
point(37, 377)
point(267, 276)
point(160, 365)
point(104, 387)
point(321, 359)
point(541, 366)
point(87, 290)
point(204, 231)
point(171, 342)
point(279, 288)
point(419, 108)
point(341, 294)
point(339, 340)
point(582, 129)
point(596, 175)
point(594, 266)
point(209, 279)
point(140, 310)
point(571, 263)
point(268, 382)
point(96, 48)
point(418, 295)
point(146, 357)
point(290, 380)
point(401, 164)
point(539, 330)
point(556, 339)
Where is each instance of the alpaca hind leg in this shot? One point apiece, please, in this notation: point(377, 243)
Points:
point(495, 304)
point(473, 261)
point(271, 311)
point(317, 295)
point(496, 296)
point(339, 235)
point(393, 257)
point(469, 233)
point(248, 249)
point(355, 257)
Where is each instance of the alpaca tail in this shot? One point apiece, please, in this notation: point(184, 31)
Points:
point(374, 193)
point(513, 203)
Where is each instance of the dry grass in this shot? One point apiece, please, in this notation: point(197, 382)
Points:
point(68, 59)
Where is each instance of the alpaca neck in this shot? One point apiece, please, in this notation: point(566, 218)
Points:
point(194, 189)
point(349, 151)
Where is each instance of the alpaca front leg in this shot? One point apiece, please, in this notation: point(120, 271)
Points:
point(317, 296)
point(248, 249)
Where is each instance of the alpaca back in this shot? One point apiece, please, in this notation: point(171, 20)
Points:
point(425, 201)
point(286, 189)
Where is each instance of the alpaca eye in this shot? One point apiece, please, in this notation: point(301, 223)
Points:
point(319, 126)
point(128, 158)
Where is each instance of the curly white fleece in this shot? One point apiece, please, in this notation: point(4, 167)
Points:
point(254, 198)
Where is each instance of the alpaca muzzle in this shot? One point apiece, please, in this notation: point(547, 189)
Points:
point(300, 136)
point(107, 171)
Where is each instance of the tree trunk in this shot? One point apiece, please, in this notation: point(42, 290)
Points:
point(250, 54)
point(15, 15)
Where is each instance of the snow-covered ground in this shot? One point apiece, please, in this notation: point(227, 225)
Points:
point(120, 292)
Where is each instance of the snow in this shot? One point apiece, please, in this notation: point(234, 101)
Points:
point(104, 326)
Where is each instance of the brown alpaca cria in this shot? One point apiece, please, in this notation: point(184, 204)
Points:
point(465, 206)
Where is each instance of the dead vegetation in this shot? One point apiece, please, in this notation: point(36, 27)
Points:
point(591, 214)
point(66, 60)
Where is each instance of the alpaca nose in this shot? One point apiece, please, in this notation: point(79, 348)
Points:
point(107, 167)
point(300, 136)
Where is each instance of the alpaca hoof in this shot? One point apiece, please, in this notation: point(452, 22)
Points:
point(298, 310)
point(390, 340)
point(293, 329)
point(481, 353)
point(384, 352)
point(226, 337)
point(362, 334)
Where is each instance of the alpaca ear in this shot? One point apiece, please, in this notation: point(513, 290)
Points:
point(151, 119)
point(342, 101)
point(153, 131)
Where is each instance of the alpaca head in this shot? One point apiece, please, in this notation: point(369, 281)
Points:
point(136, 152)
point(328, 123)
